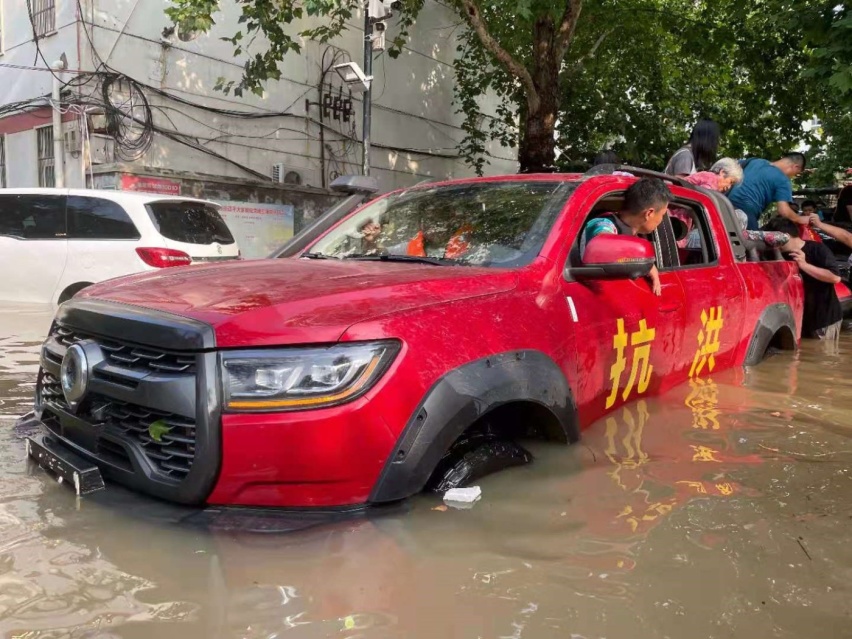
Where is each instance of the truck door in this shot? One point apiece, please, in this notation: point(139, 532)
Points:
point(713, 303)
point(627, 338)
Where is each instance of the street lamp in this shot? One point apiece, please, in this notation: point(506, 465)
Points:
point(354, 77)
point(376, 12)
point(359, 82)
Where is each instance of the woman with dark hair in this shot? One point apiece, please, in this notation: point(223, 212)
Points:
point(699, 154)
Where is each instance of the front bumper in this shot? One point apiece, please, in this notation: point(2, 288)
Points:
point(312, 459)
point(163, 377)
point(80, 473)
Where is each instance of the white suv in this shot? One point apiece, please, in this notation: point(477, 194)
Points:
point(55, 242)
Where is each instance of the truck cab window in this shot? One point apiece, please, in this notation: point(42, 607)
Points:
point(608, 205)
point(697, 248)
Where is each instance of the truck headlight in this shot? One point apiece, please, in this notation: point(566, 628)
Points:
point(303, 378)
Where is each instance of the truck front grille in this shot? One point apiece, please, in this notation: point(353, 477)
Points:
point(131, 357)
point(171, 453)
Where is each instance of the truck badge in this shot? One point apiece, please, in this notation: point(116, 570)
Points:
point(74, 376)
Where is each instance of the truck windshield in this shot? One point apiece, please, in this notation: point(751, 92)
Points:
point(189, 222)
point(499, 224)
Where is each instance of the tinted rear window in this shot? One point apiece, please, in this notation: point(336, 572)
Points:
point(32, 217)
point(91, 218)
point(190, 222)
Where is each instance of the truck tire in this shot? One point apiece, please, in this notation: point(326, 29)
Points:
point(474, 457)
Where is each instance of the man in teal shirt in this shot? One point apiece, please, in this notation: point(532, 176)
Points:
point(766, 182)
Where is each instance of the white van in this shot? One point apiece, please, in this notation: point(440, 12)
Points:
point(55, 242)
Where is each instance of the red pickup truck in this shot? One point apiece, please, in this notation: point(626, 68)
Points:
point(353, 372)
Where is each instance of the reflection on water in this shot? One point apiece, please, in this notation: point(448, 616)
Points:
point(719, 510)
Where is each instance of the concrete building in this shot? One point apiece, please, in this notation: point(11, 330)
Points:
point(140, 111)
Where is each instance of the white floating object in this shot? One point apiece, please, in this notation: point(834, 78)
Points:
point(463, 495)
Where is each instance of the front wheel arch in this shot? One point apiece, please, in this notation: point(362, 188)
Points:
point(460, 399)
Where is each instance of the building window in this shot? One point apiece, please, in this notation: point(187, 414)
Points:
point(46, 162)
point(43, 16)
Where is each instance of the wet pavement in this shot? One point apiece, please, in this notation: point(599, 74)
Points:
point(719, 510)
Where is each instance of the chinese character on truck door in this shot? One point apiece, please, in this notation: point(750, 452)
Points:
point(641, 369)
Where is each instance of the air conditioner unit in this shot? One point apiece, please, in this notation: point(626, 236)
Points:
point(282, 174)
point(73, 143)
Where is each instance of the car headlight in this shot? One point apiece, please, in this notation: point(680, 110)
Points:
point(303, 378)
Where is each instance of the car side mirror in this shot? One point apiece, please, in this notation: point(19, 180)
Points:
point(614, 257)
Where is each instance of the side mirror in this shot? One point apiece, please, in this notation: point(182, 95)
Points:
point(614, 257)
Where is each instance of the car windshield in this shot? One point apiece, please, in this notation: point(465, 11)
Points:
point(190, 222)
point(499, 224)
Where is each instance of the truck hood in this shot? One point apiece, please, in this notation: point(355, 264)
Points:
point(297, 301)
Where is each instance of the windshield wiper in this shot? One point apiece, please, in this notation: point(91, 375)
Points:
point(316, 256)
point(434, 261)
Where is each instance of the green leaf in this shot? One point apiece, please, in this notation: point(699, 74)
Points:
point(157, 429)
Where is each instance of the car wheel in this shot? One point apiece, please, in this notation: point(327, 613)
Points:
point(473, 457)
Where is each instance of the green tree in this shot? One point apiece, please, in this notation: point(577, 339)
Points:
point(523, 43)
point(578, 75)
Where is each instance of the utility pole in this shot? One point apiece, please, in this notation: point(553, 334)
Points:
point(368, 94)
point(58, 143)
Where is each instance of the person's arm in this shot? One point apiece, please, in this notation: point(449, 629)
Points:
point(656, 285)
point(821, 274)
point(841, 235)
point(785, 210)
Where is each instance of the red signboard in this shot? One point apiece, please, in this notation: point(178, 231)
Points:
point(150, 185)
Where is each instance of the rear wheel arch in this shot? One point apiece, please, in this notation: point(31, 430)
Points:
point(72, 290)
point(776, 328)
point(527, 383)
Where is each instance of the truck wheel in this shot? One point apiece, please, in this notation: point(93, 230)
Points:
point(473, 457)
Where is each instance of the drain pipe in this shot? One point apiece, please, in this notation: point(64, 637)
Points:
point(58, 142)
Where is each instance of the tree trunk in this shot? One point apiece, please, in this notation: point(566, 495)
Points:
point(537, 151)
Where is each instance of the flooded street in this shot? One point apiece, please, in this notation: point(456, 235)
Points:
point(719, 510)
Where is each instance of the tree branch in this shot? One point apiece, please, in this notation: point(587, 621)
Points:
point(567, 26)
point(590, 53)
point(474, 18)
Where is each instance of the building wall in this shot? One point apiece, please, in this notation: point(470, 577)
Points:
point(413, 96)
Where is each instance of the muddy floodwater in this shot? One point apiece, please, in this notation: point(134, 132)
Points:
point(723, 509)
